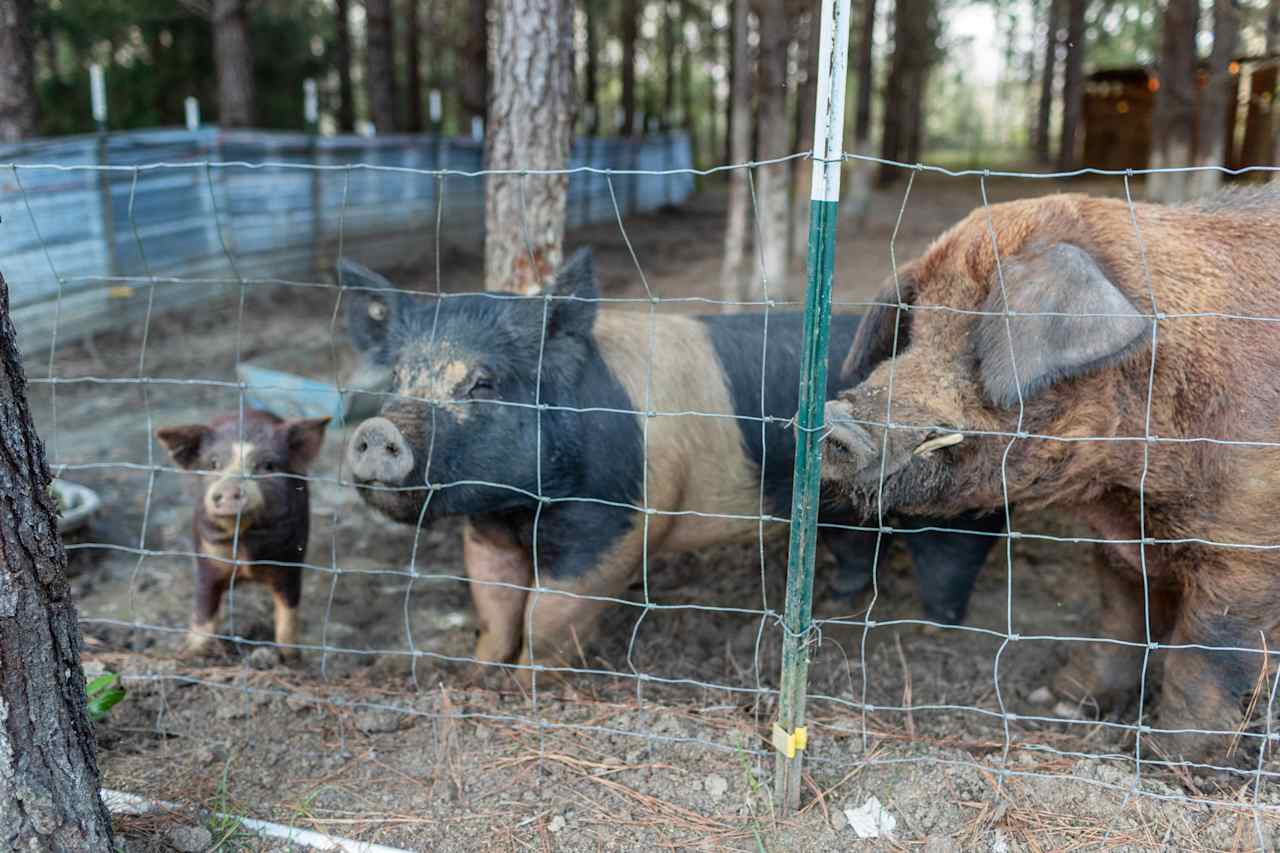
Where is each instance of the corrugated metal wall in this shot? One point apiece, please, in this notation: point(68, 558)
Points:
point(203, 211)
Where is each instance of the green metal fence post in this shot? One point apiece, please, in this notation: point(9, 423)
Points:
point(790, 735)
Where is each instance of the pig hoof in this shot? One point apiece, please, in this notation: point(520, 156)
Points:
point(265, 657)
point(1041, 696)
point(197, 646)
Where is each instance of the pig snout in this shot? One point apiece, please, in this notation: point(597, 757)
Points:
point(379, 453)
point(851, 452)
point(230, 497)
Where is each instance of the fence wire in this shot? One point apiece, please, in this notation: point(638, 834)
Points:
point(653, 674)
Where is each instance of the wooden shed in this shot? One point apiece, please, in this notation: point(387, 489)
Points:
point(1119, 103)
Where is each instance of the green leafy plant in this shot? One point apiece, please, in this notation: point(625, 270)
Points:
point(103, 692)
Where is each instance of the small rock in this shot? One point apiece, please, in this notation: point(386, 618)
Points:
point(205, 756)
point(838, 821)
point(715, 785)
point(941, 844)
point(635, 756)
point(557, 824)
point(375, 721)
point(92, 669)
point(299, 701)
point(190, 839)
point(264, 657)
point(1067, 711)
point(231, 706)
point(1042, 695)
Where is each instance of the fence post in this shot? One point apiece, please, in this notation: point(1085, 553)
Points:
point(789, 734)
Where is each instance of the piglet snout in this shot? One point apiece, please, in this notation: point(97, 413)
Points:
point(379, 453)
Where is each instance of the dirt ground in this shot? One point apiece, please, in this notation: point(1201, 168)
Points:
point(374, 734)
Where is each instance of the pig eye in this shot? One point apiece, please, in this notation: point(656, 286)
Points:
point(482, 389)
point(267, 467)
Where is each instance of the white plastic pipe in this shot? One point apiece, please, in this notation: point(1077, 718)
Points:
point(120, 802)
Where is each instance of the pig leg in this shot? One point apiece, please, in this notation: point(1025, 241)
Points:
point(286, 591)
point(1105, 676)
point(855, 553)
point(492, 556)
point(947, 564)
point(212, 580)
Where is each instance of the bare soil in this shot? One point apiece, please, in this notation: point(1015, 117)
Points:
point(377, 735)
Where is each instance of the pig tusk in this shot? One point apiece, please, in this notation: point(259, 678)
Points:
point(937, 443)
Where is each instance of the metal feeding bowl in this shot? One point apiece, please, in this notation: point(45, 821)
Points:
point(76, 504)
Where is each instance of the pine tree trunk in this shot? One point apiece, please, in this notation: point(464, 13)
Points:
point(735, 234)
point(629, 27)
point(1173, 122)
point(234, 60)
point(591, 73)
point(1273, 46)
point(1220, 90)
point(474, 68)
point(913, 54)
point(802, 170)
point(48, 774)
point(669, 21)
point(413, 69)
point(380, 65)
point(1046, 83)
point(773, 141)
point(857, 197)
point(1072, 85)
point(346, 94)
point(18, 105)
point(686, 84)
point(530, 127)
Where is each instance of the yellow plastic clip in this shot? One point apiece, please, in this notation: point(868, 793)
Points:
point(790, 744)
point(123, 291)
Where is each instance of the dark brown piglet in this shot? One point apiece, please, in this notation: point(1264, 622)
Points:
point(252, 512)
point(1032, 322)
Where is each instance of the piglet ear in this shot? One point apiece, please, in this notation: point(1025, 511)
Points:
point(1068, 320)
point(184, 443)
point(367, 311)
point(305, 437)
point(573, 312)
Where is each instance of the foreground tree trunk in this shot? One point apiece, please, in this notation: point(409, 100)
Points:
point(530, 127)
point(735, 234)
point(413, 69)
point(342, 39)
point(1046, 83)
point(630, 29)
point(857, 198)
point(1173, 122)
point(1072, 84)
point(48, 775)
point(18, 105)
point(380, 65)
point(234, 60)
point(773, 140)
point(474, 76)
point(1220, 90)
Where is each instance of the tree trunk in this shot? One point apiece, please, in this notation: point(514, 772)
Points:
point(913, 54)
point(48, 774)
point(234, 60)
point(530, 127)
point(474, 68)
point(857, 197)
point(669, 21)
point(737, 60)
point(773, 141)
point(1221, 90)
point(346, 94)
point(1173, 120)
point(413, 69)
point(686, 82)
point(1072, 84)
point(802, 170)
point(1046, 82)
point(629, 28)
point(1273, 46)
point(735, 234)
point(18, 104)
point(380, 65)
point(591, 83)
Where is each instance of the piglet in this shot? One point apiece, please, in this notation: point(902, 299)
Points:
point(252, 512)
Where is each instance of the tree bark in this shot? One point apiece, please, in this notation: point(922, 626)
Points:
point(669, 21)
point(913, 55)
point(530, 127)
point(630, 29)
point(1221, 89)
point(686, 83)
point(234, 60)
point(346, 94)
point(18, 104)
point(1046, 83)
point(380, 65)
point(857, 198)
point(1173, 120)
point(773, 140)
point(591, 73)
point(48, 774)
point(1273, 45)
point(802, 170)
point(413, 69)
point(739, 205)
point(1072, 84)
point(474, 69)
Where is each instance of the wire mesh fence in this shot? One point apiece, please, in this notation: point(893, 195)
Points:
point(596, 648)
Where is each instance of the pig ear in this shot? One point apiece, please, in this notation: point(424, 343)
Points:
point(873, 342)
point(184, 443)
point(1048, 291)
point(306, 437)
point(367, 312)
point(575, 312)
